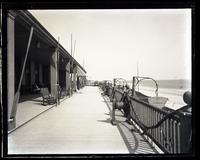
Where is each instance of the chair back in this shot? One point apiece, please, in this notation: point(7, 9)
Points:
point(44, 91)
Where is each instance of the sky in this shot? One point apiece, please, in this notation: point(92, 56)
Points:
point(125, 43)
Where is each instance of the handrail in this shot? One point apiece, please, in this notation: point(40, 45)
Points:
point(171, 132)
point(167, 116)
point(118, 80)
point(144, 78)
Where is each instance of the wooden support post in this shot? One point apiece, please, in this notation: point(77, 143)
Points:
point(133, 86)
point(16, 98)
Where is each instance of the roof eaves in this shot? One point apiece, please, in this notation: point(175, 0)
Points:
point(32, 21)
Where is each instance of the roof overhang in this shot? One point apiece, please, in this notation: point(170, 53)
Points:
point(30, 21)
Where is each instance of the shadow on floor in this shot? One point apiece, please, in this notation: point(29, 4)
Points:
point(36, 100)
point(29, 97)
point(105, 121)
point(108, 120)
point(79, 92)
point(135, 142)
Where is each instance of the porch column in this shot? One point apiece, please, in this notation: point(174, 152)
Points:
point(75, 78)
point(32, 70)
point(23, 79)
point(53, 78)
point(10, 65)
point(40, 74)
point(68, 77)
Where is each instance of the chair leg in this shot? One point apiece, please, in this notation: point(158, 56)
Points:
point(48, 101)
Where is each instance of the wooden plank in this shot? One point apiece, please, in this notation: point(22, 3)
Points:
point(79, 125)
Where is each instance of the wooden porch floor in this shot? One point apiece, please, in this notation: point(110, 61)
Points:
point(79, 125)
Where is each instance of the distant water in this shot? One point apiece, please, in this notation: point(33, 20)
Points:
point(172, 89)
point(172, 83)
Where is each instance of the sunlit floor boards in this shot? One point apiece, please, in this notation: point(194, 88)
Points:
point(135, 142)
point(28, 109)
point(79, 125)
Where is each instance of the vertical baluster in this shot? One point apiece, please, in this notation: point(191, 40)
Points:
point(158, 129)
point(168, 130)
point(135, 108)
point(151, 114)
point(153, 123)
point(145, 114)
point(161, 130)
point(133, 104)
point(141, 113)
point(175, 136)
point(154, 131)
point(178, 140)
point(172, 136)
point(151, 120)
point(131, 110)
point(138, 110)
point(166, 134)
point(163, 133)
point(148, 117)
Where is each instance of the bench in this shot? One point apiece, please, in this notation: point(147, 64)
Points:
point(46, 96)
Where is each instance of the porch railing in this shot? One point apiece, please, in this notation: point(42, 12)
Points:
point(173, 135)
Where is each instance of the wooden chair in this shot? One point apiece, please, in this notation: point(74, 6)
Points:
point(46, 96)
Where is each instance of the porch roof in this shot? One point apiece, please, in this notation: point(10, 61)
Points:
point(30, 20)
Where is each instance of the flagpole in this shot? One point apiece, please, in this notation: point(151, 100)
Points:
point(74, 48)
point(83, 62)
point(71, 67)
point(138, 73)
point(57, 70)
point(74, 82)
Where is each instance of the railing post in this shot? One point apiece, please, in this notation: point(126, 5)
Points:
point(185, 132)
point(133, 86)
point(114, 82)
point(113, 88)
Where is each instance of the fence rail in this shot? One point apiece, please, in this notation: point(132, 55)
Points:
point(171, 136)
